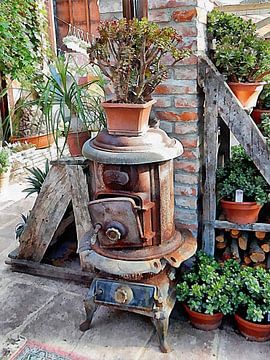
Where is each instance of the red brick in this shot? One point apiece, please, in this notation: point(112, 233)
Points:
point(185, 72)
point(185, 190)
point(186, 128)
point(185, 216)
point(187, 101)
point(163, 89)
point(184, 15)
point(172, 116)
point(162, 101)
point(160, 4)
point(185, 30)
point(190, 155)
point(189, 143)
point(190, 179)
point(186, 166)
point(159, 15)
point(191, 60)
point(189, 202)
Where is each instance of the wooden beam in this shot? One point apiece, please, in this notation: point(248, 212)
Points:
point(245, 7)
point(135, 9)
point(128, 9)
point(218, 224)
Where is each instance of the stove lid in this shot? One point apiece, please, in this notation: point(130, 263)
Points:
point(153, 146)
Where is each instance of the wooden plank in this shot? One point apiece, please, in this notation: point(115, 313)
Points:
point(80, 200)
point(245, 7)
point(210, 161)
point(46, 215)
point(49, 271)
point(70, 161)
point(218, 224)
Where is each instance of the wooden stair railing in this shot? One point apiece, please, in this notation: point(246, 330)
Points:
point(221, 102)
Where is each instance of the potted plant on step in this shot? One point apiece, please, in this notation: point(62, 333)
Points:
point(130, 54)
point(4, 168)
point(253, 314)
point(240, 55)
point(263, 105)
point(240, 173)
point(207, 291)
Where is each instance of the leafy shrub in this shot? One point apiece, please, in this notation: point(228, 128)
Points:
point(130, 54)
point(240, 54)
point(4, 160)
point(208, 287)
point(264, 98)
point(240, 173)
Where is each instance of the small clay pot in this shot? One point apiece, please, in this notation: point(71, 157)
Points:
point(204, 322)
point(127, 119)
point(247, 93)
point(257, 115)
point(40, 141)
point(75, 142)
point(240, 212)
point(252, 331)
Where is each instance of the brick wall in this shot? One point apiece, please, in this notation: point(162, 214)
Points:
point(179, 104)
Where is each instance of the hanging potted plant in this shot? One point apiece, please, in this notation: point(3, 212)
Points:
point(263, 105)
point(130, 54)
point(4, 168)
point(240, 55)
point(240, 173)
point(207, 291)
point(253, 314)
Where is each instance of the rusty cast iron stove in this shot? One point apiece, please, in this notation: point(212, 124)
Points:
point(135, 247)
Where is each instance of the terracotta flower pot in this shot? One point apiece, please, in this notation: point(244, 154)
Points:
point(75, 142)
point(247, 93)
point(40, 141)
point(4, 180)
point(240, 212)
point(204, 321)
point(252, 331)
point(127, 119)
point(257, 113)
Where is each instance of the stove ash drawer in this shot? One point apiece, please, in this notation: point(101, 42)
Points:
point(138, 296)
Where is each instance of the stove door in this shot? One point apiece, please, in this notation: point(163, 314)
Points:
point(119, 222)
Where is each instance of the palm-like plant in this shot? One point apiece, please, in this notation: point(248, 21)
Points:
point(36, 179)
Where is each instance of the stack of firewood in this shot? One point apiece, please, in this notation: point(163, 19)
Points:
point(248, 248)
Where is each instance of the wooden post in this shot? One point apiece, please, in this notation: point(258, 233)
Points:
point(135, 9)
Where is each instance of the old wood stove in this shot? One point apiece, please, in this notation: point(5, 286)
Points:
point(134, 248)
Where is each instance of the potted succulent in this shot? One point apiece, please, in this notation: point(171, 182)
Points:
point(240, 55)
point(263, 105)
point(253, 301)
point(4, 167)
point(207, 291)
point(130, 54)
point(240, 173)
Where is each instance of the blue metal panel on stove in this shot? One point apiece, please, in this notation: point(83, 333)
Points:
point(143, 295)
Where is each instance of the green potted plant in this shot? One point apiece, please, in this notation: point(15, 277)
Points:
point(240, 173)
point(263, 105)
point(130, 54)
point(4, 167)
point(253, 301)
point(207, 291)
point(240, 55)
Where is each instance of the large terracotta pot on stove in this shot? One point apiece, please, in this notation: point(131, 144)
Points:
point(247, 93)
point(204, 321)
point(127, 119)
point(240, 212)
point(253, 331)
point(76, 141)
point(257, 115)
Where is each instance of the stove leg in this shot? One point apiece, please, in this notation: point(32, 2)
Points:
point(161, 324)
point(90, 308)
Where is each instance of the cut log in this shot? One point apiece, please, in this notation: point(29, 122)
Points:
point(260, 265)
point(221, 237)
point(235, 233)
point(227, 254)
point(260, 235)
point(221, 245)
point(265, 246)
point(235, 250)
point(247, 259)
point(243, 240)
point(256, 253)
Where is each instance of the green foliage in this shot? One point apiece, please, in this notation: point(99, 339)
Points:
point(264, 98)
point(4, 160)
point(208, 287)
point(239, 54)
point(130, 54)
point(22, 38)
point(36, 179)
point(240, 173)
point(253, 299)
point(19, 229)
point(265, 127)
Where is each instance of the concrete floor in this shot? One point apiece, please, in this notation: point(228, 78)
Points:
point(50, 312)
